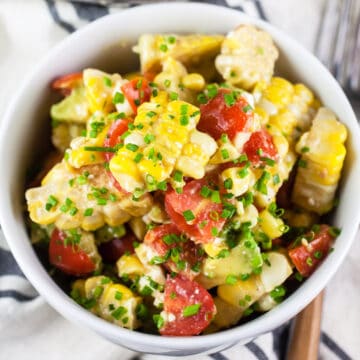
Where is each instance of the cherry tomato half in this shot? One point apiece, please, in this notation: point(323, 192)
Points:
point(67, 82)
point(69, 258)
point(192, 306)
point(217, 117)
point(260, 147)
point(206, 212)
point(136, 91)
point(307, 258)
point(113, 135)
point(184, 254)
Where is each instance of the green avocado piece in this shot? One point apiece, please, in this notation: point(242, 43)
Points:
point(74, 108)
point(244, 258)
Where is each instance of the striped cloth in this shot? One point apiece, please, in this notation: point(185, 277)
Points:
point(29, 328)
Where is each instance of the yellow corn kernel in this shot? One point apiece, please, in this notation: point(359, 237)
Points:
point(285, 121)
point(275, 270)
point(226, 314)
point(242, 293)
point(125, 170)
point(78, 156)
point(279, 92)
point(79, 287)
point(194, 82)
point(182, 49)
point(99, 88)
point(270, 225)
point(110, 291)
point(262, 115)
point(138, 227)
point(225, 153)
point(130, 265)
point(304, 93)
point(213, 249)
point(240, 184)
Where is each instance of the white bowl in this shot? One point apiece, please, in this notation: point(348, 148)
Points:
point(106, 44)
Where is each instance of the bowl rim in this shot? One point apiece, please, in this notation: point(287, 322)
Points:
point(72, 311)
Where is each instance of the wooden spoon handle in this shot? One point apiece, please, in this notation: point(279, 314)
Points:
point(306, 331)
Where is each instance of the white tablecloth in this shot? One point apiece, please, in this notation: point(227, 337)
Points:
point(29, 328)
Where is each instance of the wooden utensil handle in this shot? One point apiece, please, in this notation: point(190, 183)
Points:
point(306, 332)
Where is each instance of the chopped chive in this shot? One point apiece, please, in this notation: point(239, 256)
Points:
point(119, 98)
point(178, 176)
point(162, 185)
point(184, 120)
point(228, 184)
point(276, 179)
point(191, 310)
point(224, 138)
point(148, 138)
point(98, 291)
point(151, 114)
point(205, 192)
point(73, 211)
point(212, 90)
point(163, 48)
point(268, 161)
point(225, 154)
point(101, 201)
point(51, 202)
point(229, 99)
point(88, 212)
point(214, 231)
point(119, 313)
point(202, 99)
point(132, 147)
point(247, 108)
point(302, 163)
point(100, 148)
point(215, 197)
point(158, 320)
point(188, 215)
point(260, 185)
point(305, 149)
point(318, 255)
point(118, 295)
point(107, 81)
point(171, 39)
point(173, 96)
point(167, 83)
point(138, 157)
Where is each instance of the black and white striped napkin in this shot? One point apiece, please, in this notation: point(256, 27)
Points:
point(29, 328)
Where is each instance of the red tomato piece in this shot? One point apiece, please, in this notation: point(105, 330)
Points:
point(218, 118)
point(136, 91)
point(260, 146)
point(67, 82)
point(111, 140)
point(113, 135)
point(184, 254)
point(206, 212)
point(112, 250)
point(69, 258)
point(307, 258)
point(192, 306)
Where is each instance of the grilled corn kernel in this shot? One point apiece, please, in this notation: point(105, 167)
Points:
point(194, 82)
point(270, 225)
point(130, 265)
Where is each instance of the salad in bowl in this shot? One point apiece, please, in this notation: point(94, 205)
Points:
point(189, 196)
